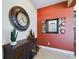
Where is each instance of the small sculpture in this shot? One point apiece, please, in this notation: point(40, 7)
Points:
point(31, 35)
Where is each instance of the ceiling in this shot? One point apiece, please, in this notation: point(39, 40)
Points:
point(43, 3)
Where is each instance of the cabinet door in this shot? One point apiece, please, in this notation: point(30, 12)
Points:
point(19, 53)
point(8, 53)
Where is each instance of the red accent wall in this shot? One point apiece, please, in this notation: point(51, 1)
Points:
point(61, 41)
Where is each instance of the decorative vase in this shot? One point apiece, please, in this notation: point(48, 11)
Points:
point(13, 43)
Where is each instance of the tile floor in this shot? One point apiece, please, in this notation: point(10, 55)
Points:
point(45, 53)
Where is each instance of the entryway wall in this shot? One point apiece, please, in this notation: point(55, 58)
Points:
point(7, 27)
point(61, 41)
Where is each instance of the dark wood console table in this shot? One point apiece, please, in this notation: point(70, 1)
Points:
point(23, 50)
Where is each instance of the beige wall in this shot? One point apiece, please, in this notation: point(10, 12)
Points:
point(6, 26)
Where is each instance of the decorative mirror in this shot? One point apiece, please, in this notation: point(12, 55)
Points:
point(52, 26)
point(19, 18)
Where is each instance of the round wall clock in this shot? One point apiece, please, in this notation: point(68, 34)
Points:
point(19, 18)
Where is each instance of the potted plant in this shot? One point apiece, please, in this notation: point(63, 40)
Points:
point(13, 37)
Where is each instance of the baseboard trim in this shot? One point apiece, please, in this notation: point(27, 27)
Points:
point(59, 50)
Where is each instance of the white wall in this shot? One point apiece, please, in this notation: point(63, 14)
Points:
point(6, 26)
